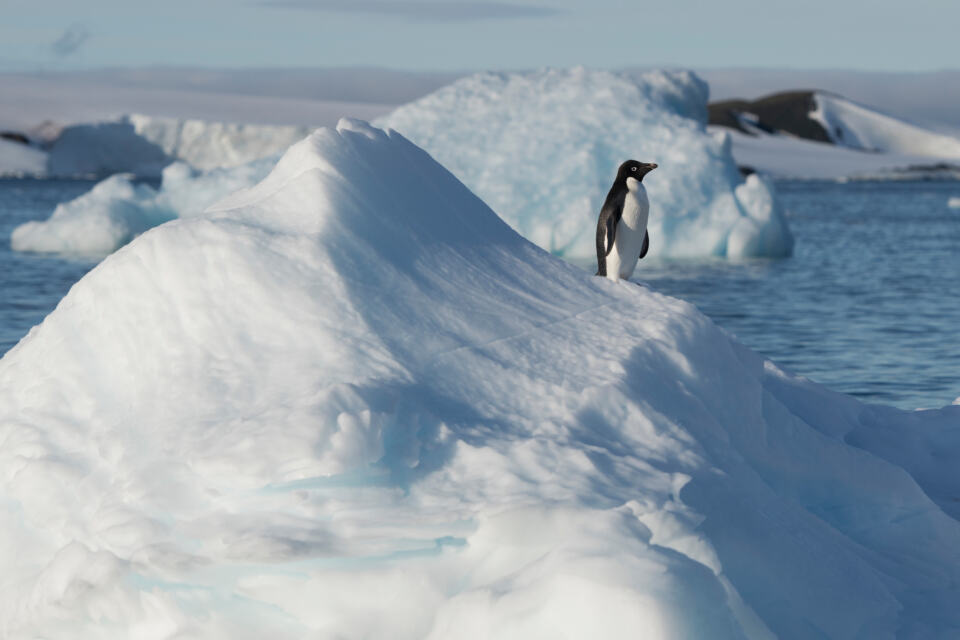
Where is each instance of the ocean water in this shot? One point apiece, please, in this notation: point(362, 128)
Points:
point(868, 305)
point(31, 285)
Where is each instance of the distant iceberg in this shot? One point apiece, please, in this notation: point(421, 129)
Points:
point(542, 149)
point(352, 402)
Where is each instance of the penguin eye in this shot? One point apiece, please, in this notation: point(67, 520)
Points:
point(633, 168)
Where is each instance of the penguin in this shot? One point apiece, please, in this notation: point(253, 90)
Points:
point(622, 236)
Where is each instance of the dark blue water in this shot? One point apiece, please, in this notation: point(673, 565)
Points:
point(32, 285)
point(869, 305)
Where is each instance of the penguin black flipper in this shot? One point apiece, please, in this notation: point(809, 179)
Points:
point(607, 227)
point(646, 244)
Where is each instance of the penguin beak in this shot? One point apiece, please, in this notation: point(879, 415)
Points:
point(651, 166)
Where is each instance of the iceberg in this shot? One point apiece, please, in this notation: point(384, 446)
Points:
point(542, 149)
point(351, 401)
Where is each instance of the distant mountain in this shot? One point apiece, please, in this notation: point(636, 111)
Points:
point(827, 117)
point(785, 112)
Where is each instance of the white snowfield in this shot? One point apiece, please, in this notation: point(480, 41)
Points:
point(789, 157)
point(351, 402)
point(542, 148)
point(867, 144)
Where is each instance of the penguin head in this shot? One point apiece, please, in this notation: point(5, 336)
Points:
point(634, 169)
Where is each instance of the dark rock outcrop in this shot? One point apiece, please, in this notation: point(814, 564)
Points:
point(14, 136)
point(787, 112)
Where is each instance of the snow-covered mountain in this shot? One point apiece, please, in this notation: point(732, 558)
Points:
point(857, 126)
point(774, 134)
point(352, 402)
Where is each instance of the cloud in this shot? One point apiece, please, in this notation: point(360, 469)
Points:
point(421, 10)
point(70, 41)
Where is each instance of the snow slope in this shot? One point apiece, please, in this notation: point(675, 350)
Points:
point(352, 402)
point(860, 127)
point(119, 208)
point(543, 147)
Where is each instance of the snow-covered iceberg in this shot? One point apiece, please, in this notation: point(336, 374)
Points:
point(542, 149)
point(352, 402)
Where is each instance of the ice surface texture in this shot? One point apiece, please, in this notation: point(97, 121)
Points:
point(542, 149)
point(352, 402)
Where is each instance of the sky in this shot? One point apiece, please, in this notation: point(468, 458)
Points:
point(877, 35)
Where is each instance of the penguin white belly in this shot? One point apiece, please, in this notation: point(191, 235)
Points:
point(631, 230)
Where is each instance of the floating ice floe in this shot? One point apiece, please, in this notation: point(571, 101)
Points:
point(352, 402)
point(542, 149)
